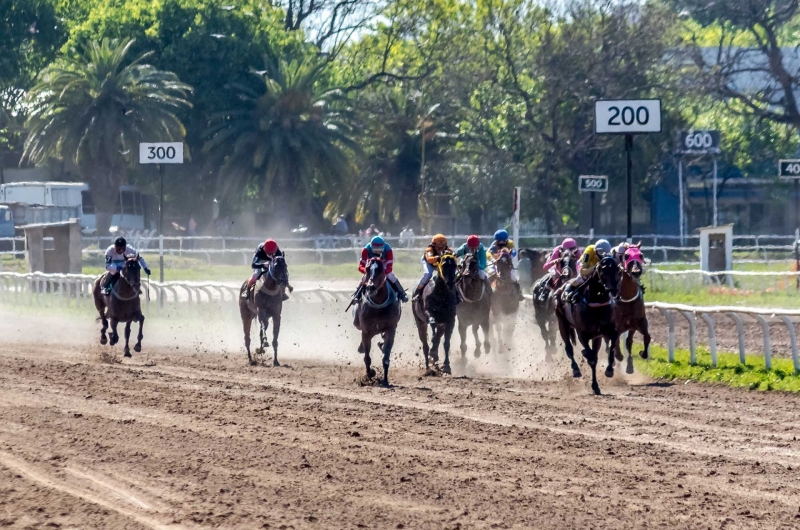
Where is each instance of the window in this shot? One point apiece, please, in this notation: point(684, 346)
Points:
point(60, 197)
point(8, 215)
point(88, 203)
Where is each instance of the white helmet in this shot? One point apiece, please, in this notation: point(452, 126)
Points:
point(602, 247)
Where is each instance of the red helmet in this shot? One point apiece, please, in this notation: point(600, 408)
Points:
point(270, 246)
point(473, 241)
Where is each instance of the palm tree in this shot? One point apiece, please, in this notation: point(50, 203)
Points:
point(93, 107)
point(287, 142)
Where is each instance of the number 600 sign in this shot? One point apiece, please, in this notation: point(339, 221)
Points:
point(627, 116)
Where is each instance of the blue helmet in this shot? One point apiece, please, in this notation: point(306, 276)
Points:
point(376, 244)
point(501, 235)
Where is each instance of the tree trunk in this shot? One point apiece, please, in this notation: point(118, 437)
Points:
point(104, 187)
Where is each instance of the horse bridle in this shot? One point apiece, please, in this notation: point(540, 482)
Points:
point(137, 289)
point(638, 288)
point(468, 274)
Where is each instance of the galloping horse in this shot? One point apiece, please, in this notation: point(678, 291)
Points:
point(436, 307)
point(122, 305)
point(505, 301)
point(378, 312)
point(267, 303)
point(473, 311)
point(592, 318)
point(531, 263)
point(629, 311)
point(545, 312)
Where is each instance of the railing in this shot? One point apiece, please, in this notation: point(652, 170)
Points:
point(661, 280)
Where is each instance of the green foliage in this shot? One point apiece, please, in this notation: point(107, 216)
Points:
point(728, 371)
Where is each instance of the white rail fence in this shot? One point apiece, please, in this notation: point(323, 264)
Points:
point(68, 289)
point(660, 280)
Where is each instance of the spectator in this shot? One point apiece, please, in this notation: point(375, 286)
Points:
point(340, 226)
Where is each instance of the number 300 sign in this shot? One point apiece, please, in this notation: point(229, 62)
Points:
point(161, 153)
point(627, 116)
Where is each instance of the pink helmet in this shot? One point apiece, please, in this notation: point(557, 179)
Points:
point(569, 244)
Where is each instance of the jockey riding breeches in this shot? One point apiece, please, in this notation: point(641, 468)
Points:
point(427, 272)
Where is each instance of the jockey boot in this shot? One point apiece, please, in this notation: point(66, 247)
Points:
point(401, 293)
point(248, 291)
point(417, 293)
point(518, 288)
point(108, 283)
point(284, 296)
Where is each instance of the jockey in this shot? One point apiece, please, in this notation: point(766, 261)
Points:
point(116, 256)
point(501, 241)
point(430, 259)
point(554, 262)
point(265, 253)
point(588, 262)
point(475, 247)
point(378, 248)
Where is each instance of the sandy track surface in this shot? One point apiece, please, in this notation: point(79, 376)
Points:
point(188, 440)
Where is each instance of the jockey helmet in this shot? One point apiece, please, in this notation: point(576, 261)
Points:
point(501, 235)
point(473, 241)
point(602, 247)
point(439, 238)
point(270, 246)
point(569, 244)
point(120, 242)
point(376, 244)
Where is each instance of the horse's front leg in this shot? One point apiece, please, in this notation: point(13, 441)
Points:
point(477, 338)
point(138, 346)
point(276, 330)
point(438, 331)
point(103, 338)
point(590, 354)
point(487, 338)
point(448, 333)
point(422, 331)
point(566, 331)
point(629, 349)
point(388, 342)
point(366, 344)
point(643, 329)
point(127, 338)
point(611, 352)
point(462, 333)
point(263, 323)
point(114, 334)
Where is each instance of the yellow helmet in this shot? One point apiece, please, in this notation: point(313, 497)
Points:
point(439, 238)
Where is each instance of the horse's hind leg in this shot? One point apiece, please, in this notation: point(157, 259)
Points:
point(276, 330)
point(247, 322)
point(127, 338)
point(114, 334)
point(462, 333)
point(629, 348)
point(366, 342)
point(590, 353)
point(563, 329)
point(422, 330)
point(487, 339)
point(448, 333)
point(138, 346)
point(388, 342)
point(103, 338)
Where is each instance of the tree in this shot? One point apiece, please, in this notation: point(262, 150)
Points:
point(94, 106)
point(288, 140)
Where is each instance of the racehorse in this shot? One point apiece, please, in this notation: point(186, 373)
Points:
point(122, 305)
point(505, 301)
point(267, 303)
point(531, 263)
point(592, 318)
point(378, 312)
point(544, 311)
point(629, 311)
point(473, 311)
point(436, 306)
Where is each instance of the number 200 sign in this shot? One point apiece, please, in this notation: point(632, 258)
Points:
point(627, 116)
point(161, 153)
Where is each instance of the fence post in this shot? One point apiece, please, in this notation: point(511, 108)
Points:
point(740, 333)
point(712, 338)
point(793, 339)
point(689, 316)
point(767, 348)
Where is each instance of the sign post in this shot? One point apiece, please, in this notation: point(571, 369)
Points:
point(161, 153)
point(628, 117)
point(592, 184)
point(517, 193)
point(790, 170)
point(696, 143)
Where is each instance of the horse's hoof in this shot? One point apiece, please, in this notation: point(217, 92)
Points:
point(371, 373)
point(385, 383)
point(113, 341)
point(576, 373)
point(360, 348)
point(548, 358)
point(252, 362)
point(137, 348)
point(609, 372)
point(259, 351)
point(103, 340)
point(643, 354)
point(596, 389)
point(446, 369)
point(127, 353)
point(477, 353)
point(275, 362)
point(629, 369)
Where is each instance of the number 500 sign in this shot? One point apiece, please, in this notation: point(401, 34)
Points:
point(627, 116)
point(161, 153)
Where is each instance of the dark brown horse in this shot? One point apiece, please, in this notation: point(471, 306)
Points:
point(629, 311)
point(436, 307)
point(531, 263)
point(592, 318)
point(505, 301)
point(267, 303)
point(377, 313)
point(544, 308)
point(122, 305)
point(476, 303)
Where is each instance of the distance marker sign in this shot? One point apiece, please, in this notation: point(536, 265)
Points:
point(593, 183)
point(698, 142)
point(789, 169)
point(161, 153)
point(627, 116)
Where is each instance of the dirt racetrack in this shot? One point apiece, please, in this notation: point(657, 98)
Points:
point(188, 437)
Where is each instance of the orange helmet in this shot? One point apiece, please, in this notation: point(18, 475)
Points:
point(439, 238)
